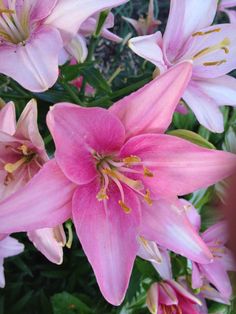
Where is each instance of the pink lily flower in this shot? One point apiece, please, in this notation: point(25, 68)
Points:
point(22, 154)
point(8, 247)
point(225, 6)
point(212, 50)
point(33, 33)
point(145, 26)
point(117, 175)
point(215, 238)
point(172, 298)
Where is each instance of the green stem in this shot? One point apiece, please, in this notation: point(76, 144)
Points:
point(70, 91)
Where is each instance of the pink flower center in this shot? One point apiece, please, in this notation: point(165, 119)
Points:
point(117, 171)
point(171, 309)
point(14, 22)
point(25, 155)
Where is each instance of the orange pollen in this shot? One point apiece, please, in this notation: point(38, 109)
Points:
point(148, 173)
point(131, 159)
point(215, 30)
point(147, 197)
point(125, 208)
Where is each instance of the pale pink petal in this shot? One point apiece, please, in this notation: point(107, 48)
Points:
point(150, 109)
point(35, 64)
point(179, 167)
point(44, 202)
point(8, 118)
point(182, 291)
point(77, 48)
point(216, 233)
point(135, 24)
point(211, 293)
point(152, 298)
point(221, 90)
point(149, 48)
point(10, 247)
point(227, 260)
point(184, 19)
point(192, 214)
point(111, 36)
point(46, 241)
point(227, 3)
point(167, 294)
point(217, 275)
point(164, 268)
point(197, 278)
point(79, 133)
point(68, 15)
point(108, 237)
point(166, 224)
point(212, 53)
point(27, 126)
point(42, 9)
point(149, 251)
point(204, 107)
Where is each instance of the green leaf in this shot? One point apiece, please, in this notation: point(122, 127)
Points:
point(219, 308)
point(95, 78)
point(102, 19)
point(66, 303)
point(71, 72)
point(192, 137)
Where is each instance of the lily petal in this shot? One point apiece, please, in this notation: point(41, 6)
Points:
point(180, 26)
point(166, 224)
point(44, 202)
point(213, 52)
point(29, 65)
point(108, 237)
point(179, 167)
point(143, 111)
point(149, 48)
point(78, 134)
point(68, 15)
point(204, 107)
point(8, 118)
point(46, 241)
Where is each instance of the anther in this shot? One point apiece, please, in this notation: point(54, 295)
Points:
point(215, 30)
point(208, 64)
point(131, 159)
point(147, 197)
point(125, 208)
point(10, 167)
point(148, 173)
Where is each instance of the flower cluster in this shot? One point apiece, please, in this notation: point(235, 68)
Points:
point(119, 174)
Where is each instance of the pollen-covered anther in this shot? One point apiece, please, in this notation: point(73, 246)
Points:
point(7, 11)
point(147, 173)
point(25, 150)
point(131, 159)
point(147, 198)
point(11, 167)
point(213, 63)
point(215, 30)
point(125, 208)
point(101, 196)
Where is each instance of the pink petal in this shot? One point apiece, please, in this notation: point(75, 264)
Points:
point(35, 64)
point(164, 268)
point(227, 3)
point(136, 25)
point(211, 293)
point(217, 232)
point(149, 48)
point(46, 242)
point(232, 15)
point(205, 108)
point(167, 294)
point(179, 167)
point(217, 275)
point(192, 214)
point(149, 251)
point(27, 126)
point(219, 36)
point(10, 247)
point(197, 278)
point(108, 237)
point(77, 48)
point(44, 202)
point(180, 26)
point(68, 15)
point(42, 9)
point(166, 224)
point(153, 298)
point(150, 109)
point(183, 292)
point(78, 134)
point(8, 118)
